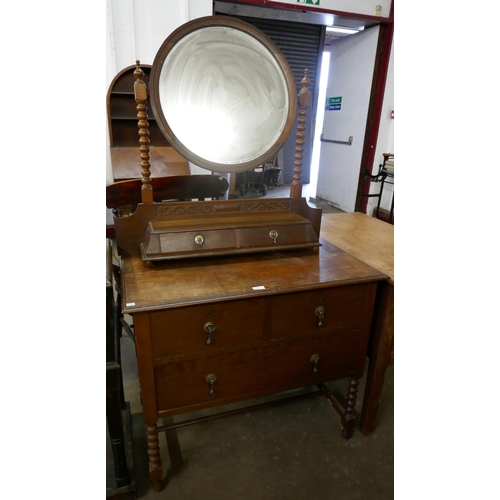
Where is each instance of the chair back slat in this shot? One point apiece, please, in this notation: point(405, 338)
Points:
point(174, 187)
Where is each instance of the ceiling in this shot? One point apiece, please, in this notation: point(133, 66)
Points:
point(308, 17)
point(330, 36)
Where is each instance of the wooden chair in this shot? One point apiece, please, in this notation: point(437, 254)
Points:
point(124, 196)
point(116, 407)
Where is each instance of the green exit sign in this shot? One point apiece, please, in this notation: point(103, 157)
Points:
point(333, 104)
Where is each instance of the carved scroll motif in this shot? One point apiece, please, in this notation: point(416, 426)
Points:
point(200, 208)
point(172, 209)
point(262, 206)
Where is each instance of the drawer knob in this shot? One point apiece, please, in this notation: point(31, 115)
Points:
point(315, 361)
point(209, 328)
point(199, 239)
point(320, 313)
point(273, 234)
point(211, 378)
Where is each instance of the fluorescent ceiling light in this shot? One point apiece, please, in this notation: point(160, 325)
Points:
point(345, 31)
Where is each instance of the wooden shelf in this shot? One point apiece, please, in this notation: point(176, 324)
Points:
point(122, 111)
point(124, 132)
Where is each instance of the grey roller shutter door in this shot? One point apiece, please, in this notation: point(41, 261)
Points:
point(302, 45)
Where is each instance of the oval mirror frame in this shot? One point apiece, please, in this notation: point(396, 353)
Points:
point(223, 94)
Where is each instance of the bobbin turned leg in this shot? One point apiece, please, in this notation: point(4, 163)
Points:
point(155, 468)
point(349, 419)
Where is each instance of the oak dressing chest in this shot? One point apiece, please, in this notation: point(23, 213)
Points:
point(234, 299)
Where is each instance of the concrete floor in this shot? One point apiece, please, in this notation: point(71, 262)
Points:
point(292, 451)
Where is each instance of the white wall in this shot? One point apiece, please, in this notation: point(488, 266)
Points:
point(350, 77)
point(137, 28)
point(135, 31)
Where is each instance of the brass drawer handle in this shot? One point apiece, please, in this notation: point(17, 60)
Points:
point(273, 234)
point(211, 378)
point(315, 361)
point(209, 328)
point(199, 239)
point(320, 312)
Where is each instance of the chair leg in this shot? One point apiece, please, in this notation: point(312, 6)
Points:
point(380, 357)
point(117, 331)
point(115, 423)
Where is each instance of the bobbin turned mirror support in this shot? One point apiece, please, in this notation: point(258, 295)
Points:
point(303, 101)
point(141, 96)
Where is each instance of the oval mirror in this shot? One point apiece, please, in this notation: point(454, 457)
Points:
point(223, 94)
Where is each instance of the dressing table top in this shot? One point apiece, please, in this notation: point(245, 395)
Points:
point(204, 280)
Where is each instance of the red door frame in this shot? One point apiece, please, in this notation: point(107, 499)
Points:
point(384, 46)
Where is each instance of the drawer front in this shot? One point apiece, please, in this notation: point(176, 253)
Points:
point(318, 311)
point(197, 241)
point(265, 236)
point(186, 330)
point(253, 372)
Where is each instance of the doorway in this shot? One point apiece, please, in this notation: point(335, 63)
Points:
point(367, 138)
point(342, 138)
point(309, 191)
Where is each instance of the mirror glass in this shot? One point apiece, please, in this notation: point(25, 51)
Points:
point(222, 97)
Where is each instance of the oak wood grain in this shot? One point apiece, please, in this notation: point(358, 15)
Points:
point(165, 160)
point(370, 240)
point(187, 282)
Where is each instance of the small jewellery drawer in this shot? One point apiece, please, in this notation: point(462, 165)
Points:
point(227, 233)
point(279, 236)
point(204, 381)
point(193, 329)
point(197, 241)
point(318, 311)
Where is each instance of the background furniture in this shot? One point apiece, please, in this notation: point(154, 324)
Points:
point(165, 161)
point(259, 179)
point(385, 175)
point(176, 187)
point(122, 126)
point(123, 198)
point(122, 112)
point(117, 410)
point(371, 241)
point(387, 172)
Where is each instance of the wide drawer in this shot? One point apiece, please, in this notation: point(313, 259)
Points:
point(246, 373)
point(209, 327)
point(318, 311)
